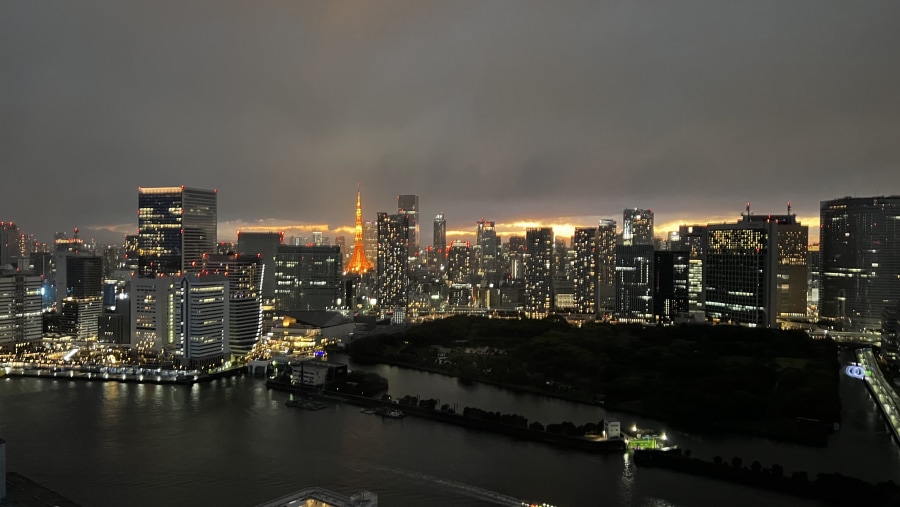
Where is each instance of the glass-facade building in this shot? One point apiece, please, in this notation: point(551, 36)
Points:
point(859, 245)
point(606, 265)
point(755, 270)
point(539, 270)
point(176, 226)
point(585, 269)
point(308, 277)
point(392, 273)
point(692, 239)
point(637, 226)
point(634, 283)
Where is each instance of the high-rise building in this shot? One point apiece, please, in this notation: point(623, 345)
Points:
point(814, 276)
point(670, 284)
point(634, 283)
point(585, 269)
point(79, 317)
point(409, 205)
point(487, 249)
point(265, 246)
point(359, 263)
point(539, 270)
point(459, 263)
point(637, 227)
point(9, 243)
point(78, 276)
point(202, 320)
point(439, 242)
point(20, 307)
point(392, 281)
point(244, 274)
point(755, 269)
point(153, 302)
point(606, 265)
point(308, 278)
point(692, 238)
point(176, 226)
point(859, 243)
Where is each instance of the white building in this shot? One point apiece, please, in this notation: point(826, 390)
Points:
point(153, 313)
point(202, 320)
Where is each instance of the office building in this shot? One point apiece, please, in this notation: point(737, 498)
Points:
point(392, 274)
point(606, 266)
point(265, 246)
point(637, 226)
point(439, 242)
point(176, 226)
point(409, 205)
point(755, 270)
point(670, 284)
point(10, 248)
point(78, 276)
point(153, 302)
point(308, 278)
point(859, 244)
point(79, 318)
point(20, 307)
point(539, 271)
point(459, 263)
point(692, 238)
point(585, 269)
point(634, 283)
point(487, 250)
point(244, 274)
point(202, 321)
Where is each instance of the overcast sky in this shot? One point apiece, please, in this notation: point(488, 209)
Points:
point(553, 112)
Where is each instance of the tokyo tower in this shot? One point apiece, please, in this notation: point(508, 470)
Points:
point(358, 262)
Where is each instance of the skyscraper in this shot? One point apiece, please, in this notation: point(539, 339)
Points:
point(202, 320)
point(20, 307)
point(409, 205)
point(606, 265)
point(585, 269)
point(459, 263)
point(176, 226)
point(637, 227)
point(265, 246)
point(392, 281)
point(859, 245)
point(756, 269)
point(308, 277)
point(359, 263)
point(634, 283)
point(440, 235)
point(487, 249)
point(9, 243)
point(244, 272)
point(692, 239)
point(539, 269)
point(670, 284)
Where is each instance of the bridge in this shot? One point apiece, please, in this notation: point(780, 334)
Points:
point(882, 391)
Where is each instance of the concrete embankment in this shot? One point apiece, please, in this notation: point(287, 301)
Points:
point(580, 443)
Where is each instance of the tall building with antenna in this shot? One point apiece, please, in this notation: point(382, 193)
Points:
point(358, 263)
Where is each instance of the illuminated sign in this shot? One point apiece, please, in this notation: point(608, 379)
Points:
point(855, 371)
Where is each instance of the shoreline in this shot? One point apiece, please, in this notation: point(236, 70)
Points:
point(518, 432)
point(814, 435)
point(125, 378)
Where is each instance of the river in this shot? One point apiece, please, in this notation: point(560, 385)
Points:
point(233, 442)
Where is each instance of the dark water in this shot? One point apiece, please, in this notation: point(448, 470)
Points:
point(233, 442)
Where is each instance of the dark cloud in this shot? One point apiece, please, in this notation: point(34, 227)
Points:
point(500, 109)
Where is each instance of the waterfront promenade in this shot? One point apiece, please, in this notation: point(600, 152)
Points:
point(882, 391)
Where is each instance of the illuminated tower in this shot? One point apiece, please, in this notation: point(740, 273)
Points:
point(358, 262)
point(176, 226)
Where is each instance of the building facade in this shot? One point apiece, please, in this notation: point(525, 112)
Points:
point(176, 226)
point(586, 270)
point(308, 278)
point(859, 245)
point(637, 226)
point(245, 306)
point(392, 272)
point(20, 308)
point(202, 320)
point(634, 283)
point(539, 271)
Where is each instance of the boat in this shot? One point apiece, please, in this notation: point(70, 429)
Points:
point(391, 413)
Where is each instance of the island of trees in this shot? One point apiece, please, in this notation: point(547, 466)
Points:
point(779, 384)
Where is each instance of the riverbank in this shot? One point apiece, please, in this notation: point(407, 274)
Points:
point(811, 433)
point(125, 378)
point(596, 445)
point(831, 488)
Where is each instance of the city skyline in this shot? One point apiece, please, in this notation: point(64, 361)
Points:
point(515, 112)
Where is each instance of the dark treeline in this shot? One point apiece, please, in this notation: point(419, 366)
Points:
point(756, 380)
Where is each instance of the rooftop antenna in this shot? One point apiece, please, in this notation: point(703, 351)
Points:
point(789, 208)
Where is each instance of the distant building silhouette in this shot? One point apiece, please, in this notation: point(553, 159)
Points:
point(539, 270)
point(637, 226)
